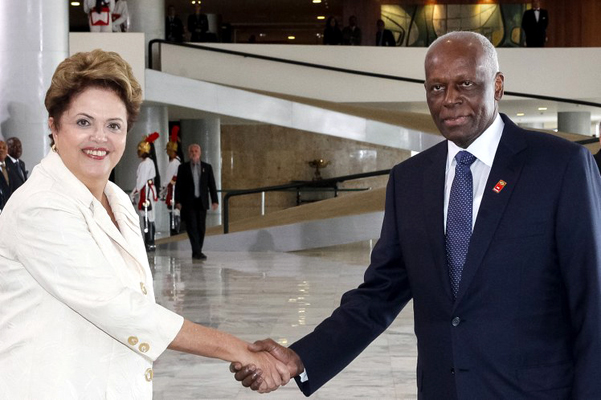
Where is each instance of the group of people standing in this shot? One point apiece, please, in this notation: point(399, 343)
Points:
point(197, 26)
point(351, 35)
point(12, 169)
point(186, 193)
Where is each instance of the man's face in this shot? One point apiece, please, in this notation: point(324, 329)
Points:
point(3, 151)
point(15, 150)
point(171, 11)
point(194, 154)
point(535, 4)
point(461, 91)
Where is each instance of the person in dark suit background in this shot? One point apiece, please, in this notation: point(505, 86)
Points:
point(495, 234)
point(384, 37)
point(332, 34)
point(534, 24)
point(351, 34)
point(174, 28)
point(198, 25)
point(15, 151)
point(8, 177)
point(195, 181)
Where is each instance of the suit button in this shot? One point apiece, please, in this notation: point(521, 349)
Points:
point(456, 321)
point(453, 371)
point(144, 347)
point(143, 288)
point(148, 374)
point(132, 340)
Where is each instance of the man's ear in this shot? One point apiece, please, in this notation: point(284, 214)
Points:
point(499, 86)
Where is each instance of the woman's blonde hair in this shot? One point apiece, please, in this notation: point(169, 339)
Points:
point(97, 68)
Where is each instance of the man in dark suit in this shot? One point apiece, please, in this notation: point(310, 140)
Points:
point(195, 181)
point(15, 151)
point(510, 311)
point(534, 24)
point(198, 25)
point(384, 37)
point(174, 28)
point(8, 177)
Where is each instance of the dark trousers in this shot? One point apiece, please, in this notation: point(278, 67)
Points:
point(196, 221)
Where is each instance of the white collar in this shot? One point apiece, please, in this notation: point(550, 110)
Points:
point(484, 147)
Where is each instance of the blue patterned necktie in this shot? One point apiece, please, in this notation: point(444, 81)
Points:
point(459, 218)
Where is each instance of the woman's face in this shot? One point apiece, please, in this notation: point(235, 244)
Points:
point(92, 134)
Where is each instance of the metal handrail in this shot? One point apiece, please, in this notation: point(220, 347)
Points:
point(320, 183)
point(348, 71)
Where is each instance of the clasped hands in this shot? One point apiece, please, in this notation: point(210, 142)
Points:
point(278, 365)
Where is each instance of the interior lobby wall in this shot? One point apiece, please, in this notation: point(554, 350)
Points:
point(265, 155)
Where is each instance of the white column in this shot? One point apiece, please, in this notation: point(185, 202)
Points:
point(33, 41)
point(574, 122)
point(147, 16)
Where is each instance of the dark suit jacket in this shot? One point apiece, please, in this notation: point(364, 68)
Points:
point(536, 32)
point(527, 320)
point(7, 188)
point(174, 30)
point(198, 26)
point(18, 167)
point(387, 40)
point(184, 186)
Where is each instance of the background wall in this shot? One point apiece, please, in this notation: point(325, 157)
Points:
point(265, 155)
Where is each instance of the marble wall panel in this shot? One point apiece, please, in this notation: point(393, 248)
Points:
point(265, 155)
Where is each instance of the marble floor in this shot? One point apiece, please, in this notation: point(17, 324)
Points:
point(277, 295)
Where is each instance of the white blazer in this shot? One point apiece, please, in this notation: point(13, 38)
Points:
point(78, 317)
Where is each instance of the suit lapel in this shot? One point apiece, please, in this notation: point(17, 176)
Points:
point(507, 166)
point(433, 201)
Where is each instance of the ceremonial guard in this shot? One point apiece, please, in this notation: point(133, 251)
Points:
point(99, 14)
point(171, 174)
point(120, 16)
point(144, 195)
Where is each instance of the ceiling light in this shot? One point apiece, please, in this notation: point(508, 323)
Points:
point(316, 1)
point(542, 109)
point(291, 37)
point(262, 34)
point(75, 3)
point(520, 114)
point(321, 17)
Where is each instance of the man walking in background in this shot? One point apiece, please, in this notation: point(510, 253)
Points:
point(195, 181)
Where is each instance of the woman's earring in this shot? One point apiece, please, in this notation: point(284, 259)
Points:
point(53, 147)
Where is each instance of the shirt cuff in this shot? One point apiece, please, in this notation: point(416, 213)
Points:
point(303, 376)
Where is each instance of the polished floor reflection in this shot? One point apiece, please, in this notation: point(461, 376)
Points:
point(278, 295)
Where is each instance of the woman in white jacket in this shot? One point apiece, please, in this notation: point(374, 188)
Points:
point(78, 317)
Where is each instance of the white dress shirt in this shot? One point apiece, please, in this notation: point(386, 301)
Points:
point(484, 149)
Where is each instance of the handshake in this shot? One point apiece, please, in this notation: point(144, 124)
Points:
point(270, 366)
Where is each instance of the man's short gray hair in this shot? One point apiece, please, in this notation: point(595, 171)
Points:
point(490, 53)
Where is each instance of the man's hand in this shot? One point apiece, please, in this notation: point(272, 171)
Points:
point(251, 377)
point(214, 206)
